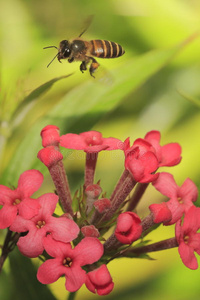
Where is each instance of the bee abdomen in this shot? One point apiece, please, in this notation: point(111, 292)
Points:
point(106, 49)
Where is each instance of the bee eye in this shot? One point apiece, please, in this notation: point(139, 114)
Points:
point(67, 52)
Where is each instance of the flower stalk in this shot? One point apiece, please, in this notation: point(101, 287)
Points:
point(90, 166)
point(137, 195)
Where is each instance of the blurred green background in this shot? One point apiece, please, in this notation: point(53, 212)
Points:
point(155, 85)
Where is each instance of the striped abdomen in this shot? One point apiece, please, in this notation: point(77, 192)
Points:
point(105, 49)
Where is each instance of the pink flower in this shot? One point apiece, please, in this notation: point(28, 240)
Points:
point(140, 160)
point(68, 261)
point(188, 238)
point(99, 281)
point(167, 155)
point(90, 141)
point(61, 229)
point(19, 201)
point(181, 198)
point(161, 212)
point(128, 227)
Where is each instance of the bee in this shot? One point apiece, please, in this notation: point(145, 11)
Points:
point(85, 51)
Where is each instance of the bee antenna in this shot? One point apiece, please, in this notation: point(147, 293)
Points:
point(54, 56)
point(51, 47)
point(53, 59)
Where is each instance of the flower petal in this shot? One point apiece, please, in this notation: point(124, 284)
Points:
point(48, 203)
point(29, 182)
point(166, 184)
point(50, 271)
point(63, 229)
point(75, 278)
point(171, 154)
point(28, 208)
point(88, 251)
point(187, 256)
point(188, 190)
point(31, 245)
point(21, 225)
point(7, 195)
point(8, 214)
point(72, 141)
point(56, 248)
point(152, 135)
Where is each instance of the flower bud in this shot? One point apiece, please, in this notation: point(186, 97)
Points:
point(90, 231)
point(49, 156)
point(50, 136)
point(128, 227)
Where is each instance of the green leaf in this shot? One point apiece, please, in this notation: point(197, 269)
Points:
point(34, 95)
point(24, 281)
point(84, 105)
point(194, 101)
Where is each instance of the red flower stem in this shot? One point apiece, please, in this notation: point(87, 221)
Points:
point(60, 180)
point(117, 201)
point(137, 195)
point(90, 166)
point(111, 243)
point(159, 246)
point(147, 222)
point(95, 218)
point(119, 184)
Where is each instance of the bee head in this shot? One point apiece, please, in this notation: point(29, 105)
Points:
point(64, 50)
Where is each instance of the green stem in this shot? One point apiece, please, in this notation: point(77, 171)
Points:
point(71, 296)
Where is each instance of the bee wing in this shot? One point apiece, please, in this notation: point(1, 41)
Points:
point(86, 24)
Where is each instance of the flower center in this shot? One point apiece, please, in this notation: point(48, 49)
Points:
point(67, 262)
point(40, 224)
point(180, 200)
point(16, 201)
point(186, 239)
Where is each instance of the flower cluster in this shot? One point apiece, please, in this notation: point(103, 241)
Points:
point(74, 244)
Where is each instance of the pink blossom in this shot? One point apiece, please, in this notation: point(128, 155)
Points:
point(167, 155)
point(181, 198)
point(90, 141)
point(128, 227)
point(161, 212)
point(99, 281)
point(188, 238)
point(61, 229)
point(50, 136)
point(68, 261)
point(140, 160)
point(19, 201)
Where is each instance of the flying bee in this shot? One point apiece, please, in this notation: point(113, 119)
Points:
point(85, 51)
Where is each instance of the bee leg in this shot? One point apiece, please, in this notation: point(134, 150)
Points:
point(93, 67)
point(83, 66)
point(70, 60)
